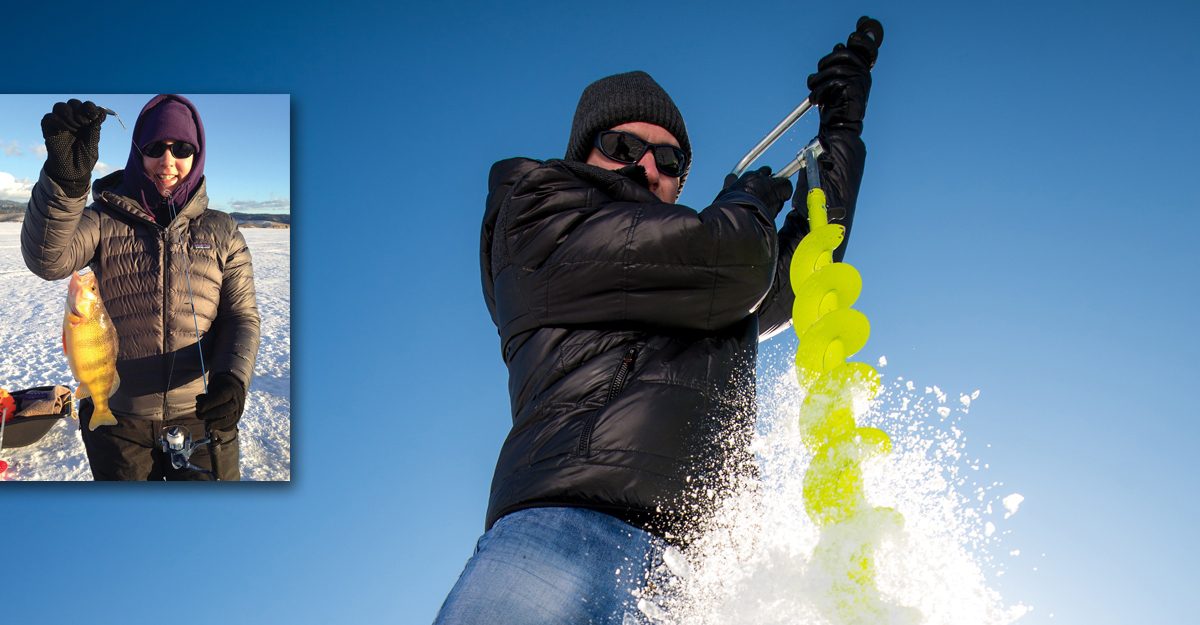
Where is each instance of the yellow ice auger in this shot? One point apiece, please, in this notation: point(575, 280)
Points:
point(830, 331)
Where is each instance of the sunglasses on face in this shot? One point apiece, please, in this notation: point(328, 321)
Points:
point(624, 147)
point(179, 149)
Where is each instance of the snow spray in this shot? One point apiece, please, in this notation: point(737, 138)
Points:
point(797, 539)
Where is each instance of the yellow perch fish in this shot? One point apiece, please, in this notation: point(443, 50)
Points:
point(90, 343)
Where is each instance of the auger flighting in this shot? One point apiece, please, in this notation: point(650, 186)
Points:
point(830, 331)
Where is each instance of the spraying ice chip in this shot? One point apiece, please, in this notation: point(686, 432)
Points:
point(652, 611)
point(943, 411)
point(989, 529)
point(675, 561)
point(1012, 503)
point(883, 361)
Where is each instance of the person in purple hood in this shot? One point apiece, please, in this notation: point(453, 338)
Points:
point(166, 159)
point(176, 279)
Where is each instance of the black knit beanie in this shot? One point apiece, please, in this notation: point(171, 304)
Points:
point(620, 99)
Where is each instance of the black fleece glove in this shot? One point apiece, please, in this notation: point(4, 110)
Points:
point(842, 83)
point(72, 134)
point(772, 192)
point(222, 406)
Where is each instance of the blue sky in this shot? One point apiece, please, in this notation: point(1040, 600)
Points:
point(1026, 226)
point(248, 136)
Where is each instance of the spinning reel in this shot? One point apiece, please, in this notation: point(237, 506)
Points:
point(178, 444)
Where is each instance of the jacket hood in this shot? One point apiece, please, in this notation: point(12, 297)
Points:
point(164, 117)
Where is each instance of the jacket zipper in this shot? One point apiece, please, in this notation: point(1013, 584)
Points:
point(165, 241)
point(614, 388)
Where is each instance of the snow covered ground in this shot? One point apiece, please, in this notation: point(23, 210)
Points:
point(31, 311)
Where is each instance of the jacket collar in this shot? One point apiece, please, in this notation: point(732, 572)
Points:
point(627, 184)
point(104, 190)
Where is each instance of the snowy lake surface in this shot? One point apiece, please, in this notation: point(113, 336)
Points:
point(31, 312)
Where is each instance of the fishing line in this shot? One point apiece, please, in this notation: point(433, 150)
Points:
point(187, 272)
point(114, 114)
point(188, 277)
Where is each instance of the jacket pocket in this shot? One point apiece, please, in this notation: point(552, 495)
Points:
point(620, 376)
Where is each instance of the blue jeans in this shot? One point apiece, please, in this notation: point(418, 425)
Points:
point(553, 565)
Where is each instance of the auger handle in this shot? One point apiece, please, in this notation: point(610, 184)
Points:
point(771, 137)
point(870, 28)
point(867, 27)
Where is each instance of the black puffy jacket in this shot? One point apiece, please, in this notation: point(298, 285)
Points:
point(630, 330)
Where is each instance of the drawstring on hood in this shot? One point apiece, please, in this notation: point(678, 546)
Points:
point(164, 117)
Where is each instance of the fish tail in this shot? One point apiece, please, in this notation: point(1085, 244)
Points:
point(102, 415)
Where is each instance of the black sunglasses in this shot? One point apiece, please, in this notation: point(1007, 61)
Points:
point(179, 149)
point(624, 147)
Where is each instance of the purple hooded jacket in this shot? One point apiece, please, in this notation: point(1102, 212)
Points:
point(164, 117)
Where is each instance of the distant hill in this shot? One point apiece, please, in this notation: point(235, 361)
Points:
point(15, 211)
point(263, 220)
point(11, 211)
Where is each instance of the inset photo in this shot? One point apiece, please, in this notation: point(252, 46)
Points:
point(145, 287)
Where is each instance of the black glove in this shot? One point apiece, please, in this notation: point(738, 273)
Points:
point(222, 406)
point(772, 192)
point(72, 134)
point(843, 79)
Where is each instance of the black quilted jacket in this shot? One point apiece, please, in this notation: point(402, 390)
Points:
point(630, 330)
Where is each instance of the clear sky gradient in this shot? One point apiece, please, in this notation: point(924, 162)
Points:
point(248, 138)
point(1027, 226)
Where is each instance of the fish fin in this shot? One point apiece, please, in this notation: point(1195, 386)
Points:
point(101, 418)
point(115, 385)
point(82, 391)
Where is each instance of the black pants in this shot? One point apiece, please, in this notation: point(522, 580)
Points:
point(130, 450)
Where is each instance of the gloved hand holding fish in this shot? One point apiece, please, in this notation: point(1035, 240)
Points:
point(90, 343)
